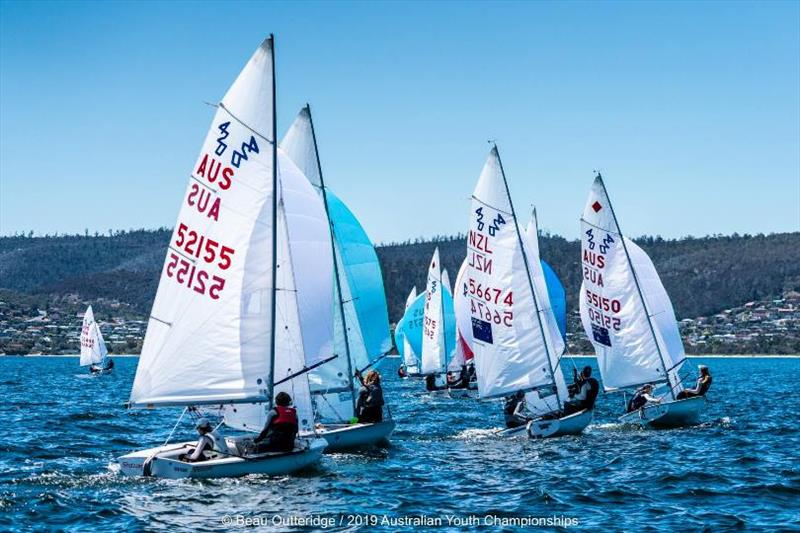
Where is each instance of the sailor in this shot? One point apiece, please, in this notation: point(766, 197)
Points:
point(702, 386)
point(209, 440)
point(430, 383)
point(369, 407)
point(462, 381)
point(281, 428)
point(587, 388)
point(401, 371)
point(514, 410)
point(642, 397)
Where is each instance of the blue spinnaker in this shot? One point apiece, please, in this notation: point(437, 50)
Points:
point(410, 326)
point(364, 277)
point(558, 298)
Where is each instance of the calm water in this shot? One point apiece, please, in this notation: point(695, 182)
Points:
point(61, 429)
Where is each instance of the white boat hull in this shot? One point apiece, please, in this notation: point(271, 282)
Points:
point(677, 413)
point(348, 436)
point(162, 462)
point(573, 424)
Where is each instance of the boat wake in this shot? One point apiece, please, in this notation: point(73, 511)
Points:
point(473, 434)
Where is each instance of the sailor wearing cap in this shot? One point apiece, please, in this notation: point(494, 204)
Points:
point(702, 386)
point(209, 440)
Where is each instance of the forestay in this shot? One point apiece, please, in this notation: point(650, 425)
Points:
point(208, 337)
point(434, 355)
point(629, 351)
point(508, 340)
point(93, 347)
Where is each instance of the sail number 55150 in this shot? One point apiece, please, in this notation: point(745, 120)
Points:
point(606, 304)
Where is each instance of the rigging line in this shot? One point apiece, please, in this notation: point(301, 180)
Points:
point(252, 130)
point(175, 426)
point(305, 369)
point(490, 206)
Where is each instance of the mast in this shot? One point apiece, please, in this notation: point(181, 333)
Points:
point(273, 304)
point(639, 290)
point(335, 263)
point(528, 273)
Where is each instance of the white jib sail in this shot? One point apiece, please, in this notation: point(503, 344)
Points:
point(612, 311)
point(304, 333)
point(545, 400)
point(461, 308)
point(433, 343)
point(409, 357)
point(510, 352)
point(208, 337)
point(93, 347)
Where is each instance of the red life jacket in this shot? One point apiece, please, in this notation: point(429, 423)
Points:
point(286, 420)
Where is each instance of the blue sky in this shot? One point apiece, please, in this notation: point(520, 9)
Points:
point(691, 110)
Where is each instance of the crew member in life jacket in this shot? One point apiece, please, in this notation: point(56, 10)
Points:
point(209, 441)
point(514, 410)
point(369, 407)
point(642, 397)
point(281, 428)
point(702, 386)
point(586, 389)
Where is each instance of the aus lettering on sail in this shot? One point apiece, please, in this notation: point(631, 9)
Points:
point(597, 245)
point(199, 257)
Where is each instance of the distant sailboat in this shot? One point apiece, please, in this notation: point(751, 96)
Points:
point(410, 358)
point(628, 317)
point(93, 348)
point(434, 344)
point(462, 354)
point(228, 324)
point(516, 340)
point(361, 320)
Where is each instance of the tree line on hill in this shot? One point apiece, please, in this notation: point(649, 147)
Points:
point(703, 275)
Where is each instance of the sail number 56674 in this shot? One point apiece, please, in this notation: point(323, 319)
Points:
point(490, 294)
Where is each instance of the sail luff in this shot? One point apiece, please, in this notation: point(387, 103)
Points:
point(336, 277)
point(271, 385)
point(638, 287)
point(528, 273)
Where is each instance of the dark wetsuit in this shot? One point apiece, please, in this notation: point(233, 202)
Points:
point(369, 407)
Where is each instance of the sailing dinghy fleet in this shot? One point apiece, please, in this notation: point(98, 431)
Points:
point(510, 318)
point(271, 286)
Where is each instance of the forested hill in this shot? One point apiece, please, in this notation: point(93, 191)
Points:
point(702, 275)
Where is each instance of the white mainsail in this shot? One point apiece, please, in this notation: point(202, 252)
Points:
point(303, 333)
point(209, 337)
point(93, 347)
point(544, 401)
point(509, 340)
point(461, 308)
point(624, 308)
point(433, 342)
point(410, 359)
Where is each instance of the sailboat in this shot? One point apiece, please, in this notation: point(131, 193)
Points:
point(434, 340)
point(462, 353)
point(93, 348)
point(410, 327)
point(361, 319)
point(410, 358)
point(516, 340)
point(237, 311)
point(629, 318)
